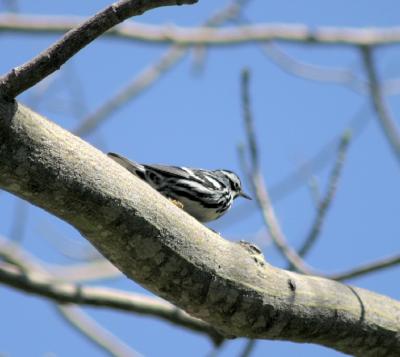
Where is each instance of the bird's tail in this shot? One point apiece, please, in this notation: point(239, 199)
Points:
point(131, 166)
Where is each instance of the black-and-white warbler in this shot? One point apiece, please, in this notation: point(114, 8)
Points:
point(204, 194)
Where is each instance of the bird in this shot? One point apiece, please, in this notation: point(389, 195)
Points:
point(204, 194)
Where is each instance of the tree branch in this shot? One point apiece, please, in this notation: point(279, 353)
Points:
point(27, 75)
point(367, 268)
point(260, 190)
point(36, 283)
point(296, 178)
point(342, 76)
point(325, 203)
point(28, 275)
point(138, 85)
point(149, 75)
point(167, 251)
point(95, 333)
point(383, 114)
point(72, 314)
point(185, 36)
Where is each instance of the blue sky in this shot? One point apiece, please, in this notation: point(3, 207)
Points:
point(194, 118)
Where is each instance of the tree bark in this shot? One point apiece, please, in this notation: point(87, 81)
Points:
point(159, 246)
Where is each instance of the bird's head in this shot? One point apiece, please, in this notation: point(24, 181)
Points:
point(235, 184)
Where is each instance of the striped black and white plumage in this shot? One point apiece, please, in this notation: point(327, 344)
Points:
point(204, 194)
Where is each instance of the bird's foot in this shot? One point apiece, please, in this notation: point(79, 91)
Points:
point(176, 203)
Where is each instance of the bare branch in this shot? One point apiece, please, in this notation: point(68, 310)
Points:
point(314, 189)
point(96, 270)
point(149, 75)
point(297, 33)
point(324, 205)
point(27, 75)
point(95, 332)
point(248, 348)
point(260, 189)
point(343, 76)
point(140, 32)
point(367, 268)
point(167, 251)
point(36, 24)
point(248, 121)
point(386, 121)
point(137, 86)
point(18, 227)
point(28, 275)
point(34, 282)
point(296, 179)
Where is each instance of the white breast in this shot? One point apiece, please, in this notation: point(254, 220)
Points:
point(199, 212)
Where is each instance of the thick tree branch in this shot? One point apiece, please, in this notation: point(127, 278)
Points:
point(27, 75)
point(208, 36)
point(158, 245)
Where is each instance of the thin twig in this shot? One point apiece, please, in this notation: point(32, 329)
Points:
point(366, 268)
point(325, 203)
point(148, 76)
point(27, 75)
point(18, 227)
point(232, 14)
point(260, 189)
point(295, 179)
point(274, 229)
point(384, 115)
point(96, 333)
point(248, 348)
point(315, 193)
point(142, 81)
point(248, 122)
point(343, 76)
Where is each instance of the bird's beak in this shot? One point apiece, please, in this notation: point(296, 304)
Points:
point(244, 195)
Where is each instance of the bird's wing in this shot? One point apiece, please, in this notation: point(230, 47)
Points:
point(162, 170)
point(131, 166)
point(170, 171)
